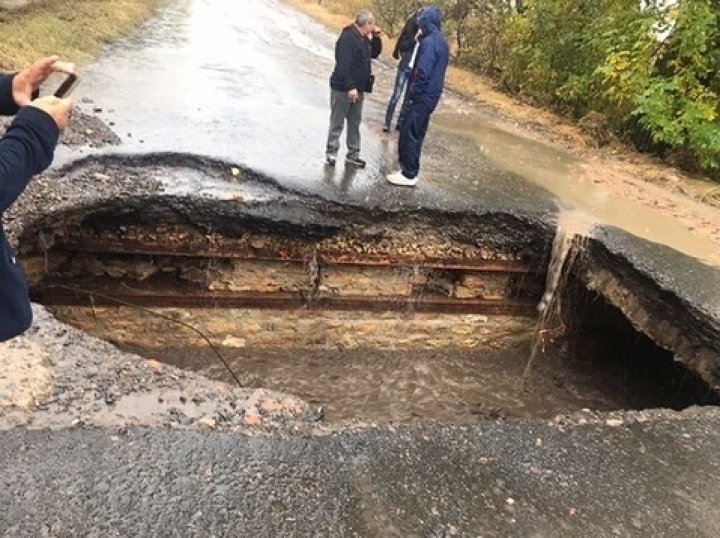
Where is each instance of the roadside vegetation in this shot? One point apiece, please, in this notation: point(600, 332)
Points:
point(645, 73)
point(74, 29)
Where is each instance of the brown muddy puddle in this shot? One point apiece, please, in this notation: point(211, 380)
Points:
point(572, 182)
point(447, 385)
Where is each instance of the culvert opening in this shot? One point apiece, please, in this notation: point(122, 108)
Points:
point(369, 315)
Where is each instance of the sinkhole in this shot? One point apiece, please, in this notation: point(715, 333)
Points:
point(369, 314)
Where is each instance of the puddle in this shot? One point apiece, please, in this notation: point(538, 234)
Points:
point(448, 385)
point(563, 175)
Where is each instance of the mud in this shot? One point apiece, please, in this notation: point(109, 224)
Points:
point(84, 381)
point(86, 130)
point(650, 213)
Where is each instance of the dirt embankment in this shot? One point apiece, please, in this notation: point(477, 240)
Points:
point(619, 163)
point(71, 29)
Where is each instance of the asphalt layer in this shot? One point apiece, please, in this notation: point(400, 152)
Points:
point(525, 478)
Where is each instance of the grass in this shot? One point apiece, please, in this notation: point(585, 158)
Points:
point(73, 29)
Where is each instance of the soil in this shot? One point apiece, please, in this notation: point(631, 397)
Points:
point(86, 129)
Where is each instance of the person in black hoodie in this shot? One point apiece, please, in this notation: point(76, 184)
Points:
point(26, 149)
point(357, 45)
point(403, 53)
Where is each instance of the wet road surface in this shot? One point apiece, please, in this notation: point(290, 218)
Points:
point(527, 478)
point(251, 86)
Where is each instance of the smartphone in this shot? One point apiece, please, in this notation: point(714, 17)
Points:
point(67, 87)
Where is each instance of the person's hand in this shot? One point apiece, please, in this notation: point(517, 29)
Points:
point(354, 96)
point(59, 109)
point(377, 31)
point(28, 81)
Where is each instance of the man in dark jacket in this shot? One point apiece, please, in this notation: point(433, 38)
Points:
point(25, 150)
point(403, 53)
point(357, 45)
point(426, 87)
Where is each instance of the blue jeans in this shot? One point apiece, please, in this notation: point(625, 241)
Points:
point(400, 82)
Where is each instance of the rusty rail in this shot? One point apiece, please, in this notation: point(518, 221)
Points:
point(163, 298)
point(328, 258)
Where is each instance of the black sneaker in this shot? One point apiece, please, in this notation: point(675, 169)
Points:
point(355, 161)
point(386, 129)
point(330, 160)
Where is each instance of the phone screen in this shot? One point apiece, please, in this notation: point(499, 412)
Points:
point(67, 86)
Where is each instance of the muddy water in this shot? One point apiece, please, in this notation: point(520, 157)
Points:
point(564, 176)
point(449, 385)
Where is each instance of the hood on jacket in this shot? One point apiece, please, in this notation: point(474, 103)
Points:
point(430, 20)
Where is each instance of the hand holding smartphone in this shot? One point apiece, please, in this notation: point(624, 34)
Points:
point(67, 87)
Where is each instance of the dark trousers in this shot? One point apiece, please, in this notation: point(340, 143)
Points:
point(412, 134)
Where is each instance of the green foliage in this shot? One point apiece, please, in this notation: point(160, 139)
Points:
point(393, 13)
point(653, 68)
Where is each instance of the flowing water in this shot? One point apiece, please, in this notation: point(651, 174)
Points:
point(450, 385)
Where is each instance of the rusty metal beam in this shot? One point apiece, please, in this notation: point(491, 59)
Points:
point(95, 246)
point(57, 296)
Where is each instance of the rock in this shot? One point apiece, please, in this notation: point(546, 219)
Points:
point(595, 126)
point(154, 365)
point(614, 422)
point(252, 420)
point(207, 422)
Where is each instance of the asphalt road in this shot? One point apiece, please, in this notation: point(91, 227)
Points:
point(526, 478)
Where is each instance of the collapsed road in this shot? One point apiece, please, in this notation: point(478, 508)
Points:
point(343, 307)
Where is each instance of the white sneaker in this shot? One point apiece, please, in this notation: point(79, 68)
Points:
point(397, 178)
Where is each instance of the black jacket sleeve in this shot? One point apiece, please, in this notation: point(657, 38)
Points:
point(375, 46)
point(406, 40)
point(26, 149)
point(343, 61)
point(7, 101)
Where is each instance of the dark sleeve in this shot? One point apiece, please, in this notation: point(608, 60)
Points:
point(406, 41)
point(396, 50)
point(7, 101)
point(424, 64)
point(375, 47)
point(26, 149)
point(343, 60)
point(401, 43)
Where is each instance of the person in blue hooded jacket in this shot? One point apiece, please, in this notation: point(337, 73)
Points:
point(26, 149)
point(426, 87)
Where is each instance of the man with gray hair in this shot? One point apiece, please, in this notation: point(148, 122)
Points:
point(352, 77)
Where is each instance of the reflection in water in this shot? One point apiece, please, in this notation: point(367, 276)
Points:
point(346, 174)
